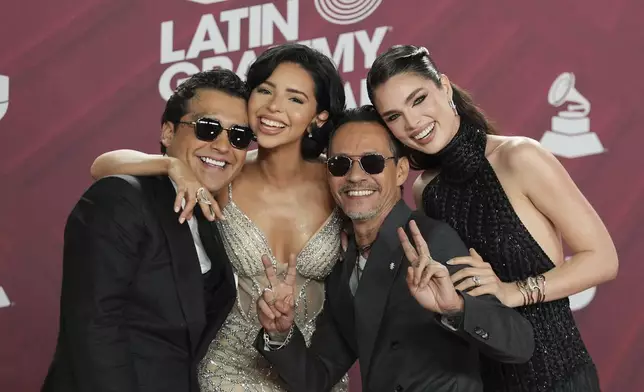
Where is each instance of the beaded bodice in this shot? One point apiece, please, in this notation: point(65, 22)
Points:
point(232, 363)
point(468, 196)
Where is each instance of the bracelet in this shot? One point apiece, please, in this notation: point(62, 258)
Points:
point(523, 292)
point(542, 279)
point(533, 289)
point(271, 345)
point(533, 286)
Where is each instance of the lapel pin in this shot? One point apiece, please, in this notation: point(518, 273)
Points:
point(391, 266)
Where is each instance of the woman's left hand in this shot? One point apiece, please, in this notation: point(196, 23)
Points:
point(480, 278)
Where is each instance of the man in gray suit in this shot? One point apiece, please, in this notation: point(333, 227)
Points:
point(389, 304)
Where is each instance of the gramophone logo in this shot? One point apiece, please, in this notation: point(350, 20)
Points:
point(581, 300)
point(4, 95)
point(4, 300)
point(570, 135)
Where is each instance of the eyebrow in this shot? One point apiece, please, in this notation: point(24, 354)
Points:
point(407, 100)
point(290, 90)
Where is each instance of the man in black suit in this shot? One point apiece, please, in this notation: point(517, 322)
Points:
point(142, 294)
point(389, 304)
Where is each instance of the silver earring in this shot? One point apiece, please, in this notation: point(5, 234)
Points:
point(453, 106)
point(310, 135)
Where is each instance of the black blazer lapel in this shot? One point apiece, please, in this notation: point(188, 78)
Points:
point(214, 246)
point(223, 295)
point(380, 272)
point(185, 263)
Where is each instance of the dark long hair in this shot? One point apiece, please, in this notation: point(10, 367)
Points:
point(416, 60)
point(329, 88)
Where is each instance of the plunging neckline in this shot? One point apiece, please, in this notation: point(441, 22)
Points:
point(260, 232)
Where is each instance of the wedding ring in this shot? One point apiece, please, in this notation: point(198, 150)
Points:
point(477, 280)
point(202, 196)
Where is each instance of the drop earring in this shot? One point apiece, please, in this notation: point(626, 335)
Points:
point(453, 106)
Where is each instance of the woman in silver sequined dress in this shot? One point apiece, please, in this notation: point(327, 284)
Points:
point(279, 205)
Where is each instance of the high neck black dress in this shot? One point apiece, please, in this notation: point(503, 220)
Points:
point(468, 196)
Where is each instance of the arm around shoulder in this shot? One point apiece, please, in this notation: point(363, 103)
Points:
point(129, 162)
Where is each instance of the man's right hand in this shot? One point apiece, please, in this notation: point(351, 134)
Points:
point(275, 307)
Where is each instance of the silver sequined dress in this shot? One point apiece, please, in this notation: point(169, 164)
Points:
point(232, 363)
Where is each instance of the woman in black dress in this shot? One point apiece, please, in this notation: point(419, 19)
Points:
point(512, 203)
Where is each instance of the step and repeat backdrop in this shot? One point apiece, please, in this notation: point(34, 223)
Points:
point(78, 78)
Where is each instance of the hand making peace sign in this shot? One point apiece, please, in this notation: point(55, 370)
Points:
point(428, 280)
point(275, 305)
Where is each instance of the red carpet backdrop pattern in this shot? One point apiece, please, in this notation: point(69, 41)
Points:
point(78, 78)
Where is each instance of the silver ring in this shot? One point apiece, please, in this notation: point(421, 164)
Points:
point(266, 290)
point(202, 196)
point(477, 280)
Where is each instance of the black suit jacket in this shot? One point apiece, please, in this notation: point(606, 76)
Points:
point(134, 315)
point(400, 345)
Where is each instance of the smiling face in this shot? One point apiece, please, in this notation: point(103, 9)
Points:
point(214, 163)
point(283, 107)
point(417, 111)
point(363, 196)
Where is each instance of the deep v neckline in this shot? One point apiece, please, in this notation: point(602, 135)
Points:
point(260, 232)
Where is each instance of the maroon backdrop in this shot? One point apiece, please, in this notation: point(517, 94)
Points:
point(84, 77)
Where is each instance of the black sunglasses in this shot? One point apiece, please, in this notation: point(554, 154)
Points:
point(340, 165)
point(208, 129)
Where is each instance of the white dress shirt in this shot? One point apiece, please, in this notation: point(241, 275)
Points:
point(204, 260)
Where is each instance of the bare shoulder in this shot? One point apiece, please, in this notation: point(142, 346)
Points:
point(317, 184)
point(423, 180)
point(320, 168)
point(419, 185)
point(519, 153)
point(317, 174)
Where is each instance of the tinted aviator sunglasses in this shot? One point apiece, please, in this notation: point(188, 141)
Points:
point(340, 165)
point(208, 129)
